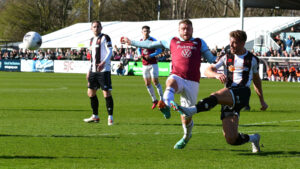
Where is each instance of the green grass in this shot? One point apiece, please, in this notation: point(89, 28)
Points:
point(41, 127)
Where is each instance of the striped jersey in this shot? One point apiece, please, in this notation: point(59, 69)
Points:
point(239, 69)
point(101, 50)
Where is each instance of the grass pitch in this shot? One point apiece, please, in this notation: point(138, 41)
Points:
point(41, 127)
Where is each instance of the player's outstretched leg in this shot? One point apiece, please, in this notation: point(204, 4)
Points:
point(185, 111)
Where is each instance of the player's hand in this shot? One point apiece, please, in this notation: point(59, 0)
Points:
point(100, 66)
point(221, 77)
point(125, 40)
point(264, 106)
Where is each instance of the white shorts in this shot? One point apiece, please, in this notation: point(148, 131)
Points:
point(187, 89)
point(150, 71)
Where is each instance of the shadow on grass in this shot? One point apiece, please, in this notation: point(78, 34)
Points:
point(24, 109)
point(263, 153)
point(62, 136)
point(272, 153)
point(258, 125)
point(172, 124)
point(42, 157)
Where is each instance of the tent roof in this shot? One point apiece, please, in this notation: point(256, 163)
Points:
point(214, 31)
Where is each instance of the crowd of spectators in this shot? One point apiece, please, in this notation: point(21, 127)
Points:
point(119, 54)
point(283, 74)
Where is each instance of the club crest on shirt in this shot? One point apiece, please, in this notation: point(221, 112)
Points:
point(177, 42)
point(98, 41)
point(186, 53)
point(145, 51)
point(231, 68)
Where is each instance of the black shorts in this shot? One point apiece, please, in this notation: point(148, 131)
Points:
point(101, 80)
point(241, 97)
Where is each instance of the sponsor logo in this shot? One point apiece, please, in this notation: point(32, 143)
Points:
point(186, 53)
point(231, 68)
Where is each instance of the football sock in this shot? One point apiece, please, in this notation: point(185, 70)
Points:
point(187, 130)
point(242, 139)
point(110, 117)
point(169, 95)
point(109, 105)
point(159, 91)
point(94, 104)
point(151, 92)
point(207, 103)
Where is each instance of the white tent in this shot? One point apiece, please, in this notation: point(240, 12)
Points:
point(213, 30)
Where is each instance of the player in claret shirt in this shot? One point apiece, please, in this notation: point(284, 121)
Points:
point(240, 67)
point(186, 52)
point(150, 66)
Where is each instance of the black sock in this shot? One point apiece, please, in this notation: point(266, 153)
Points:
point(94, 104)
point(109, 105)
point(207, 103)
point(242, 139)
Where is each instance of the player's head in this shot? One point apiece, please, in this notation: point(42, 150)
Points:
point(185, 29)
point(238, 39)
point(96, 27)
point(145, 31)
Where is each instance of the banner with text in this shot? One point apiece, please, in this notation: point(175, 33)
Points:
point(10, 65)
point(136, 68)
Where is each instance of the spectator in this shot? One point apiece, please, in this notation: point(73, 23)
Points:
point(289, 44)
point(293, 76)
point(274, 73)
point(298, 74)
point(120, 70)
point(286, 74)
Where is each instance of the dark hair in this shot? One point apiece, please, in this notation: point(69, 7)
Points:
point(146, 27)
point(186, 21)
point(239, 35)
point(97, 22)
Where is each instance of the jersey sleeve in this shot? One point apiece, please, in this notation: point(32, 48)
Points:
point(157, 51)
point(152, 44)
point(206, 52)
point(108, 48)
point(221, 62)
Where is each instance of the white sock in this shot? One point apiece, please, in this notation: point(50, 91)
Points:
point(151, 92)
point(95, 116)
point(159, 91)
point(110, 117)
point(169, 95)
point(187, 130)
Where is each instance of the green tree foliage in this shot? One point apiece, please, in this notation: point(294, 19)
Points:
point(44, 16)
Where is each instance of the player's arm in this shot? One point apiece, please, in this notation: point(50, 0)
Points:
point(205, 52)
point(157, 51)
point(145, 44)
point(211, 71)
point(108, 48)
point(258, 89)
